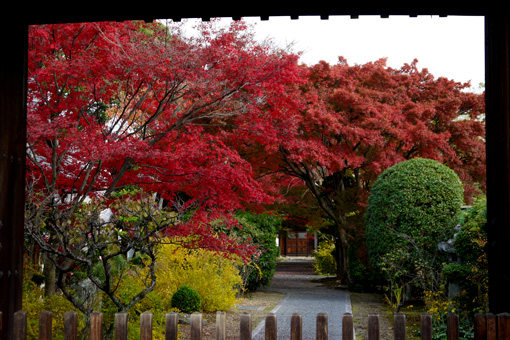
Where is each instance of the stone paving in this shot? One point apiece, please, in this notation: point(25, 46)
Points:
point(295, 277)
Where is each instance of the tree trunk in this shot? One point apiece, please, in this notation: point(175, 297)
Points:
point(342, 258)
point(49, 276)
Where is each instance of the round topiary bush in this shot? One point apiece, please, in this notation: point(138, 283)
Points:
point(413, 206)
point(186, 300)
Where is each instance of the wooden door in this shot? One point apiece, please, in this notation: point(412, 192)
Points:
point(297, 244)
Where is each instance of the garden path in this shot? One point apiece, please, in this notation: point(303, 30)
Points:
point(295, 277)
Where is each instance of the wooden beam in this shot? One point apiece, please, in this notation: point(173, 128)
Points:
point(54, 12)
point(12, 169)
point(497, 58)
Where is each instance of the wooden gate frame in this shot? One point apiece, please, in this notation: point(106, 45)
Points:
point(16, 16)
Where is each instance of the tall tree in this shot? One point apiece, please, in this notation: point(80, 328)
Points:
point(360, 120)
point(117, 105)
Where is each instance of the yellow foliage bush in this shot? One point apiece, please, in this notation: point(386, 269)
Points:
point(34, 302)
point(215, 277)
point(437, 305)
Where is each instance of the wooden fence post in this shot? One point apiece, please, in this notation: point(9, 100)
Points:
point(245, 326)
point(70, 325)
point(347, 327)
point(20, 325)
point(426, 326)
point(96, 326)
point(296, 327)
point(373, 326)
point(45, 320)
point(146, 326)
point(171, 326)
point(480, 327)
point(486, 326)
point(196, 326)
point(399, 326)
point(452, 327)
point(221, 325)
point(322, 326)
point(121, 326)
point(504, 326)
point(491, 326)
point(271, 329)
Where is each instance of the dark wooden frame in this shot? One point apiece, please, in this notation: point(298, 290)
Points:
point(13, 74)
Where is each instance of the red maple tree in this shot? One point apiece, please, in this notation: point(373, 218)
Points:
point(359, 120)
point(120, 105)
point(116, 104)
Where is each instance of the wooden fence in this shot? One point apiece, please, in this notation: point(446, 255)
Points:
point(486, 326)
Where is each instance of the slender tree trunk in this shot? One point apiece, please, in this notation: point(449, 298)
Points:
point(49, 276)
point(342, 258)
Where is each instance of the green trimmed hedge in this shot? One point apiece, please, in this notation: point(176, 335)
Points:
point(412, 207)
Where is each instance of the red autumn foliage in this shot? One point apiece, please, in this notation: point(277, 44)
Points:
point(218, 122)
point(359, 120)
point(116, 104)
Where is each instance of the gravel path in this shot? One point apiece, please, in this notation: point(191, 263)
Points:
point(295, 277)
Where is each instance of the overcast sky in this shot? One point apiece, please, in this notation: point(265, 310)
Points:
point(451, 47)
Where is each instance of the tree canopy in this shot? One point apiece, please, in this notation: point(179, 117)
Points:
point(121, 104)
point(356, 121)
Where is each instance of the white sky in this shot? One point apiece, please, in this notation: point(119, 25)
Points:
point(451, 47)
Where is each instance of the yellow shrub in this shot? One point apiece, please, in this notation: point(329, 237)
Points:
point(437, 305)
point(34, 302)
point(213, 276)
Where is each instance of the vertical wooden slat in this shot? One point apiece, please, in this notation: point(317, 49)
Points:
point(296, 327)
point(491, 326)
point(503, 326)
point(221, 325)
point(322, 326)
point(452, 327)
point(146, 326)
point(347, 327)
point(399, 326)
point(426, 326)
point(171, 326)
point(373, 326)
point(96, 326)
point(480, 327)
point(196, 326)
point(271, 327)
point(70, 325)
point(20, 325)
point(245, 326)
point(121, 326)
point(45, 320)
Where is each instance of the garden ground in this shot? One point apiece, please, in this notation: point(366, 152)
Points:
point(263, 301)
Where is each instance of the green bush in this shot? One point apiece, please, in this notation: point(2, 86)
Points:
point(363, 277)
point(470, 273)
point(186, 300)
point(412, 207)
point(471, 237)
point(262, 230)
